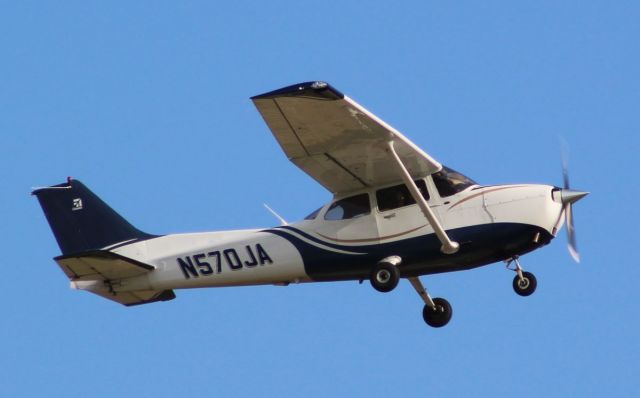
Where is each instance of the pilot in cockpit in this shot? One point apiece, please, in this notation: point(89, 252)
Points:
point(400, 199)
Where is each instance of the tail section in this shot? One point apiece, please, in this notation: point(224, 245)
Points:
point(86, 228)
point(81, 221)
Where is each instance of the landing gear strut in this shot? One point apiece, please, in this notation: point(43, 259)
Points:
point(436, 312)
point(524, 283)
point(384, 278)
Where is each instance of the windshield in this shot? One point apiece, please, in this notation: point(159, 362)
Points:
point(450, 182)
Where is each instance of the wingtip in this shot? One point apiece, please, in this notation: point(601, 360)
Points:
point(315, 89)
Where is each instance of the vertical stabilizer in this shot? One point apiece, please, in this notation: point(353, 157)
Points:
point(81, 221)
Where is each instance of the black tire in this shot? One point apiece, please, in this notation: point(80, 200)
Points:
point(439, 316)
point(525, 286)
point(384, 277)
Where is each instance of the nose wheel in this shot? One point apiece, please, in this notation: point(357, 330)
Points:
point(524, 283)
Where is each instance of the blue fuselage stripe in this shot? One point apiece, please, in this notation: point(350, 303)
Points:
point(479, 245)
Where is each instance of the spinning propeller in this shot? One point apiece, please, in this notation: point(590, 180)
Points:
point(569, 197)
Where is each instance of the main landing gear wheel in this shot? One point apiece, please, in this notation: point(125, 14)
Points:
point(526, 285)
point(385, 277)
point(440, 315)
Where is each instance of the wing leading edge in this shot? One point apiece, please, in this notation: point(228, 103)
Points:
point(335, 140)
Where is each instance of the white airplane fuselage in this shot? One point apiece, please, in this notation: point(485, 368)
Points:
point(396, 213)
point(491, 224)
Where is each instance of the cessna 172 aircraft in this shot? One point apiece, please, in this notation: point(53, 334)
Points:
point(396, 213)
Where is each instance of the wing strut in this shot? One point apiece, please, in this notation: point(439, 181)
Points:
point(448, 246)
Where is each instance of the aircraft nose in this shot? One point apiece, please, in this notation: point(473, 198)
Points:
point(570, 196)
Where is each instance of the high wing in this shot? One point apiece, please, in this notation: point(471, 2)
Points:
point(335, 140)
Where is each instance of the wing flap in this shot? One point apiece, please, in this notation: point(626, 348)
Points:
point(329, 171)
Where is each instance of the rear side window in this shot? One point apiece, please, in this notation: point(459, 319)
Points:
point(399, 196)
point(351, 207)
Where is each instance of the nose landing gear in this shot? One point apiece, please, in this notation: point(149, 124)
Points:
point(524, 283)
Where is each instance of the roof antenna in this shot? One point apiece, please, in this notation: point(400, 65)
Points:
point(282, 220)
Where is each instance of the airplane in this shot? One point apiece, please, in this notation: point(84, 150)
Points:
point(396, 213)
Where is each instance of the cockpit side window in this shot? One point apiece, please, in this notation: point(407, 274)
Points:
point(450, 182)
point(351, 207)
point(399, 196)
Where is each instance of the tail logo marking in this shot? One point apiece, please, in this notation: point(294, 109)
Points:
point(77, 204)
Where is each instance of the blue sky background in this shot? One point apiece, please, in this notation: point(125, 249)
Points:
point(148, 104)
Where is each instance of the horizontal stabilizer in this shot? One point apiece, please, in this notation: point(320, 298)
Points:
point(129, 299)
point(97, 271)
point(101, 265)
